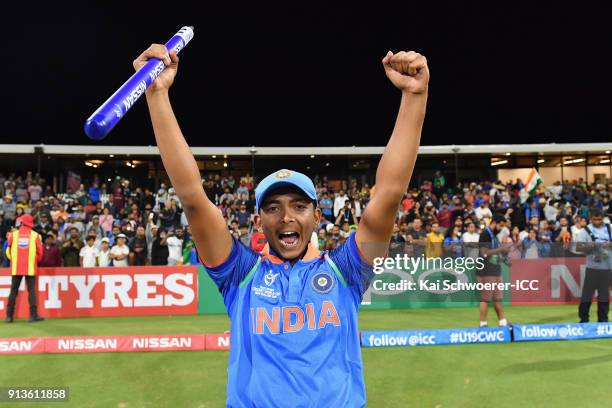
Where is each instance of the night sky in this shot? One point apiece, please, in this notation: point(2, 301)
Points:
point(311, 76)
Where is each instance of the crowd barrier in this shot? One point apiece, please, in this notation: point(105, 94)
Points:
point(106, 344)
point(376, 339)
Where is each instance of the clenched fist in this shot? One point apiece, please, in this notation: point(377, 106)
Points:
point(407, 71)
point(166, 78)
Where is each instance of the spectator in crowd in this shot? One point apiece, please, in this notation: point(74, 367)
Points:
point(346, 214)
point(322, 239)
point(417, 237)
point(561, 238)
point(470, 241)
point(439, 182)
point(8, 210)
point(483, 211)
point(516, 244)
point(138, 248)
point(532, 247)
point(120, 251)
point(532, 211)
point(71, 248)
point(51, 254)
point(435, 242)
point(444, 217)
point(175, 246)
point(339, 201)
point(243, 216)
point(104, 255)
point(452, 243)
point(96, 226)
point(106, 221)
point(89, 253)
point(327, 206)
point(44, 224)
point(159, 248)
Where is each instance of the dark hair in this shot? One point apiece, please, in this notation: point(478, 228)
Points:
point(596, 212)
point(498, 218)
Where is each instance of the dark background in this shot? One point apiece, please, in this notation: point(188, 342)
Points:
point(311, 75)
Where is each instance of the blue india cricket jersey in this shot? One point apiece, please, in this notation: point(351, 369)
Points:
point(294, 336)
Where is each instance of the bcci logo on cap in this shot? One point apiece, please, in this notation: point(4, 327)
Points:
point(322, 282)
point(282, 174)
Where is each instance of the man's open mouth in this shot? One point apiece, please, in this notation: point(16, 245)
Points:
point(289, 239)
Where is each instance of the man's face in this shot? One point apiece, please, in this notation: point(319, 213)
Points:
point(563, 222)
point(74, 233)
point(471, 228)
point(458, 222)
point(179, 233)
point(140, 231)
point(288, 219)
point(44, 219)
point(417, 224)
point(534, 221)
point(597, 221)
point(497, 226)
point(435, 228)
point(120, 241)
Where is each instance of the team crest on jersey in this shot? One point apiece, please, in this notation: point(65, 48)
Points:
point(322, 282)
point(282, 174)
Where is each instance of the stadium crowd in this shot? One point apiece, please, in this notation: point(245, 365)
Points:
point(118, 225)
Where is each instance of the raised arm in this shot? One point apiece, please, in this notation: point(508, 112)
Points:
point(409, 73)
point(208, 228)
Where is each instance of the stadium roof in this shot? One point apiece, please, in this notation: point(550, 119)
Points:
point(548, 148)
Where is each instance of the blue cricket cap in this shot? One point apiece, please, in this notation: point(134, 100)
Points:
point(282, 178)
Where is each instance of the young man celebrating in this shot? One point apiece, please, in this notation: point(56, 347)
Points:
point(293, 310)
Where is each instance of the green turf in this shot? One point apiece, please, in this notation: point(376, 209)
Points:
point(535, 374)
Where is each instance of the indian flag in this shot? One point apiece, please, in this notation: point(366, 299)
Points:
point(533, 181)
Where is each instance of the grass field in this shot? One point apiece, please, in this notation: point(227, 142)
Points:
point(537, 374)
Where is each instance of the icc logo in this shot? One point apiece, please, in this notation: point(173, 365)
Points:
point(269, 278)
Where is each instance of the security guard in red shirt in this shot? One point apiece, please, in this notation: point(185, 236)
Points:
point(24, 250)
